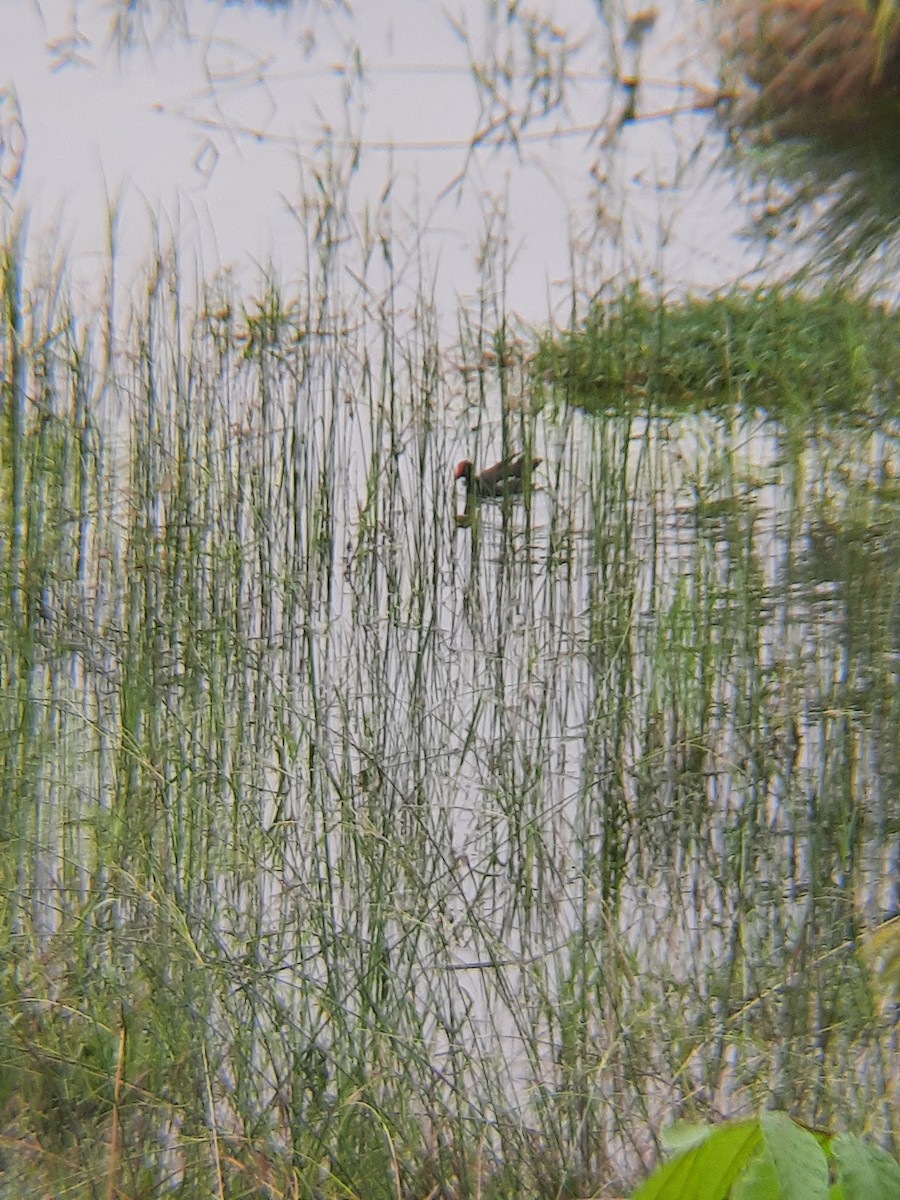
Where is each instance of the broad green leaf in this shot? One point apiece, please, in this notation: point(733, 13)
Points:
point(799, 1161)
point(759, 1181)
point(865, 1172)
point(682, 1135)
point(707, 1170)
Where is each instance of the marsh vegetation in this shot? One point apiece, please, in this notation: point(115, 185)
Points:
point(348, 852)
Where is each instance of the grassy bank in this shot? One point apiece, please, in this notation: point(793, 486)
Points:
point(794, 356)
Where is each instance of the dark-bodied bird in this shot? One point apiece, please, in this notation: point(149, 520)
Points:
point(504, 478)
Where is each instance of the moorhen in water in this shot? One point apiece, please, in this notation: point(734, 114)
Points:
point(504, 478)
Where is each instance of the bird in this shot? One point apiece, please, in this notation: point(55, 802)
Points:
point(505, 478)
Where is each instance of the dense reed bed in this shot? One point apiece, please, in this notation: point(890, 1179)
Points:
point(348, 852)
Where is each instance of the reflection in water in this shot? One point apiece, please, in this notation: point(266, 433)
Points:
point(622, 741)
point(565, 816)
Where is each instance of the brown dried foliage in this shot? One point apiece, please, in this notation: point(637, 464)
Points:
point(825, 69)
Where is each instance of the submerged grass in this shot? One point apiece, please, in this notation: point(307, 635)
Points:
point(349, 853)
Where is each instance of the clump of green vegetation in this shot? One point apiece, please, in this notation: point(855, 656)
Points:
point(775, 350)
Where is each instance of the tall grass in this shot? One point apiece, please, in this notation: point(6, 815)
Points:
point(346, 851)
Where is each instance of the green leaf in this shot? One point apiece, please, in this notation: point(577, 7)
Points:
point(683, 1135)
point(865, 1172)
point(799, 1161)
point(759, 1181)
point(707, 1170)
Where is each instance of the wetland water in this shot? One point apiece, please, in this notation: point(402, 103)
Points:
point(563, 824)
